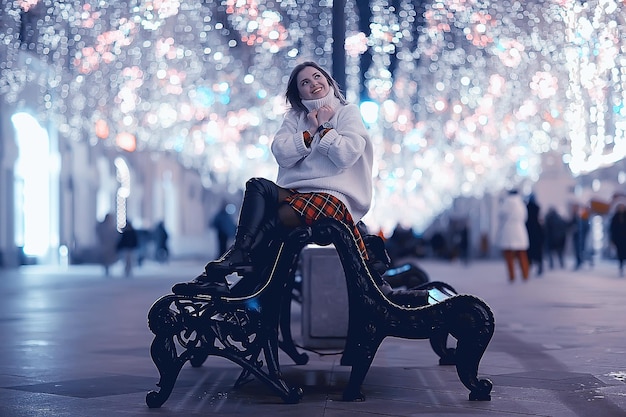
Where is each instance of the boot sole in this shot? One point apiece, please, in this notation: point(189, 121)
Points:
point(226, 270)
point(191, 289)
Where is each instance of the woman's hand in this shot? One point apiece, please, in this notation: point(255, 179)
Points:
point(312, 117)
point(324, 114)
point(321, 115)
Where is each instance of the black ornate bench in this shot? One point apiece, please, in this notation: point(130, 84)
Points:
point(250, 325)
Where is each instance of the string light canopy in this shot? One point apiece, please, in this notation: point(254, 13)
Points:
point(467, 95)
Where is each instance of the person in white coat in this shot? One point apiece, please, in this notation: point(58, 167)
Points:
point(512, 236)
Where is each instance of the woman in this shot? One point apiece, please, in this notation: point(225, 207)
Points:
point(556, 236)
point(536, 235)
point(513, 236)
point(127, 246)
point(580, 225)
point(617, 234)
point(325, 158)
point(108, 238)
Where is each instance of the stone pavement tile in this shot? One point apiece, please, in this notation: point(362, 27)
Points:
point(557, 351)
point(616, 394)
point(89, 387)
point(14, 403)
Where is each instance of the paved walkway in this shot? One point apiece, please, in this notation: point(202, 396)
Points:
point(76, 343)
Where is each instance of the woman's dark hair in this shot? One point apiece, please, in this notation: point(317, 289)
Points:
point(293, 96)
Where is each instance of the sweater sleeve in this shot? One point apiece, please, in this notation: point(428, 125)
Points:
point(345, 144)
point(288, 145)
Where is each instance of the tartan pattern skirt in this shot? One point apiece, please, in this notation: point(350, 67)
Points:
point(313, 206)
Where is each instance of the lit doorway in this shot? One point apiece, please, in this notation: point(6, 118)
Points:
point(33, 192)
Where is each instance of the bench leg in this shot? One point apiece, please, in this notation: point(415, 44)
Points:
point(439, 343)
point(472, 324)
point(200, 328)
point(169, 365)
point(274, 378)
point(162, 321)
point(467, 369)
point(287, 344)
point(352, 392)
point(359, 355)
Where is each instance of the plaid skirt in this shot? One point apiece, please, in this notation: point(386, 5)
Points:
point(313, 206)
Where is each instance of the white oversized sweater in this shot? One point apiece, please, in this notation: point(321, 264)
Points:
point(339, 164)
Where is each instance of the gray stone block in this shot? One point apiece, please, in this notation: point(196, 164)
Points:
point(324, 298)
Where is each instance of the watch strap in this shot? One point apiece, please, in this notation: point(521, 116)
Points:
point(323, 126)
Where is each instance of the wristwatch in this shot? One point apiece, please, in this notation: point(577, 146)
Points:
point(325, 125)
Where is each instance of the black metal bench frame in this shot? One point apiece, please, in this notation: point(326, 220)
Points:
point(246, 326)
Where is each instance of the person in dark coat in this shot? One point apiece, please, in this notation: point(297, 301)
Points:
point(127, 246)
point(617, 234)
point(555, 227)
point(581, 227)
point(535, 234)
point(224, 226)
point(108, 238)
point(160, 236)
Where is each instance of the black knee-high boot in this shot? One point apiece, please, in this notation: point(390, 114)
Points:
point(260, 204)
point(257, 217)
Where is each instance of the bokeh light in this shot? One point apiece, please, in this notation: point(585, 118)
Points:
point(470, 94)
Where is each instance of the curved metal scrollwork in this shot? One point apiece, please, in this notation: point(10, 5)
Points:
point(245, 328)
point(374, 315)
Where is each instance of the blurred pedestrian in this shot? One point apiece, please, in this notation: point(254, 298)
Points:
point(144, 243)
point(403, 243)
point(617, 234)
point(512, 234)
point(225, 226)
point(461, 242)
point(127, 247)
point(556, 236)
point(438, 245)
point(535, 234)
point(580, 224)
point(160, 236)
point(108, 237)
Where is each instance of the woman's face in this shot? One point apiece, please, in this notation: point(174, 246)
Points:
point(312, 84)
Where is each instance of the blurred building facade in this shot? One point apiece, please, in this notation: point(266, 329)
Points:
point(51, 204)
point(54, 191)
point(161, 111)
